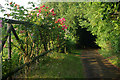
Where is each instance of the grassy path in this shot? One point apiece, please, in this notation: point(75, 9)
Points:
point(97, 67)
point(80, 64)
point(57, 65)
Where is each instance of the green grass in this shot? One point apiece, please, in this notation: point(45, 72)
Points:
point(57, 65)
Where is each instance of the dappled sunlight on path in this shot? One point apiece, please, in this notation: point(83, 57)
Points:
point(96, 66)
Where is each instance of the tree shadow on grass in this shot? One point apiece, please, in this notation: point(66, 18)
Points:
point(61, 66)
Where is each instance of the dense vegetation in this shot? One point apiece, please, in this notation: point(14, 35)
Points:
point(101, 19)
point(42, 31)
point(55, 23)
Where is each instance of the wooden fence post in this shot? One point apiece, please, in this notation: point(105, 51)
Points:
point(9, 42)
point(5, 39)
point(9, 49)
point(17, 38)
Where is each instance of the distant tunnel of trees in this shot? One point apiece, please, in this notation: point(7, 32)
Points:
point(86, 39)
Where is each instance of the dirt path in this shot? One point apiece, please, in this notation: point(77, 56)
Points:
point(97, 67)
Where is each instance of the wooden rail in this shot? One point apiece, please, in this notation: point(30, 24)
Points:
point(8, 35)
point(28, 63)
point(9, 30)
point(5, 39)
point(10, 21)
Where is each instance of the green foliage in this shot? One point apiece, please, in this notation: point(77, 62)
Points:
point(101, 19)
point(70, 45)
point(48, 31)
point(70, 12)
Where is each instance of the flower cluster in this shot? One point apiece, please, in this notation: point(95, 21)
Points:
point(43, 16)
point(43, 8)
point(62, 23)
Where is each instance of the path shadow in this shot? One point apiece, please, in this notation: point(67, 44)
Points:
point(97, 67)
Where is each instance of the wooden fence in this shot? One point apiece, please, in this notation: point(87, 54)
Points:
point(10, 29)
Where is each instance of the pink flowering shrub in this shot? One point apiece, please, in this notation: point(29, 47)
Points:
point(42, 16)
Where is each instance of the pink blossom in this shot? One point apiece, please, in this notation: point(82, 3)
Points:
point(38, 14)
point(39, 10)
point(63, 19)
point(0, 25)
point(53, 14)
point(43, 6)
point(27, 15)
point(64, 27)
point(36, 7)
point(15, 28)
point(46, 7)
point(11, 40)
point(52, 10)
point(32, 34)
point(62, 22)
point(59, 20)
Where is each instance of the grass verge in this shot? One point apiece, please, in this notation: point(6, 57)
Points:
point(56, 65)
